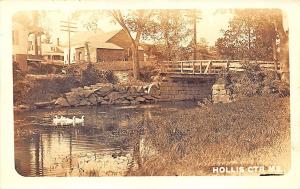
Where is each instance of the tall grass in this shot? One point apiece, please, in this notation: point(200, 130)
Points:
point(253, 131)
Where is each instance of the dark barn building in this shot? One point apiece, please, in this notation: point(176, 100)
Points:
point(103, 47)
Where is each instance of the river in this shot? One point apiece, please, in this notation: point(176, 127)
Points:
point(103, 146)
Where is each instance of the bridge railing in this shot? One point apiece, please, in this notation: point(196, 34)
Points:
point(209, 66)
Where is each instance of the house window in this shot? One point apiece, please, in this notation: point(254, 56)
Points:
point(80, 56)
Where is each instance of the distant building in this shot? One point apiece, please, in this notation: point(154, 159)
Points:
point(48, 52)
point(53, 52)
point(24, 49)
point(103, 47)
point(20, 40)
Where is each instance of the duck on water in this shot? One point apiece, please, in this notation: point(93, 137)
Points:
point(67, 121)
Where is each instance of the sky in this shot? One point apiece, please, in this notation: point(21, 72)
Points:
point(208, 27)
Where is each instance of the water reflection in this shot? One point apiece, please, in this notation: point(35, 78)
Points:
point(105, 145)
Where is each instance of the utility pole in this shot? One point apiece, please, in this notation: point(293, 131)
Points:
point(87, 52)
point(194, 15)
point(69, 27)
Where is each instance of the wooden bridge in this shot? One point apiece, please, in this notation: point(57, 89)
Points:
point(200, 68)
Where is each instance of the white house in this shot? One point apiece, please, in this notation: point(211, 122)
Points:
point(20, 43)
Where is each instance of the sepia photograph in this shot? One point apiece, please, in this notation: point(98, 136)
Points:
point(151, 92)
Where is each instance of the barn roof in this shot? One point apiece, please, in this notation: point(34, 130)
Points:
point(96, 39)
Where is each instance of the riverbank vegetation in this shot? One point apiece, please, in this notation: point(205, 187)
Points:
point(254, 81)
point(31, 88)
point(253, 131)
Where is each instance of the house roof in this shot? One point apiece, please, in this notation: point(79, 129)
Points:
point(96, 39)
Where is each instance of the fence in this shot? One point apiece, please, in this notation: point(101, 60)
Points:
point(209, 66)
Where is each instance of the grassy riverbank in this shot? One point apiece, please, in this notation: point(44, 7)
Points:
point(249, 132)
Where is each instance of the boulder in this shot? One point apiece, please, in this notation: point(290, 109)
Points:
point(153, 89)
point(84, 102)
point(93, 99)
point(129, 98)
point(120, 88)
point(118, 101)
point(106, 103)
point(125, 102)
point(87, 93)
point(43, 104)
point(73, 96)
point(140, 99)
point(87, 88)
point(103, 91)
point(115, 96)
point(134, 102)
point(132, 90)
point(148, 97)
point(72, 100)
point(61, 101)
point(76, 89)
point(100, 99)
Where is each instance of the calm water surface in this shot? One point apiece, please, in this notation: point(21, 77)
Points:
point(102, 146)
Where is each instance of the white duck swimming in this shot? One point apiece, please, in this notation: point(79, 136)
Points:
point(67, 121)
point(56, 120)
point(79, 120)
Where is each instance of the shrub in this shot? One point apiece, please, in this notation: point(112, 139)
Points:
point(21, 85)
point(107, 76)
point(148, 72)
point(72, 70)
point(92, 75)
point(21, 91)
point(17, 73)
point(254, 81)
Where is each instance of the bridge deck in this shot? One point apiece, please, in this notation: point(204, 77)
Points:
point(205, 68)
point(187, 75)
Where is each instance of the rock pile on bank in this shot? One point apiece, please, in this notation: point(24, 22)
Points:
point(101, 94)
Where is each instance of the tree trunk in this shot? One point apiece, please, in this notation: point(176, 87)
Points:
point(195, 36)
point(135, 61)
point(284, 50)
point(249, 43)
point(275, 58)
point(88, 52)
point(40, 41)
point(36, 47)
point(284, 60)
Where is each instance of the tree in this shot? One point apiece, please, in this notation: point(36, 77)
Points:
point(170, 33)
point(135, 23)
point(283, 44)
point(266, 35)
point(249, 36)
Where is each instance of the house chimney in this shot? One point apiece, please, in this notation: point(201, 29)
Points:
point(57, 41)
